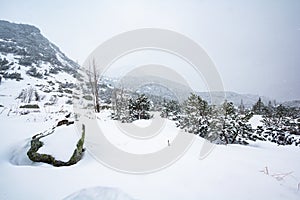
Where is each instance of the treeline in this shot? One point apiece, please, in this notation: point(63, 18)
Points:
point(226, 124)
point(220, 124)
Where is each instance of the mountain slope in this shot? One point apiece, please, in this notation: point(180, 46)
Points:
point(33, 68)
point(23, 46)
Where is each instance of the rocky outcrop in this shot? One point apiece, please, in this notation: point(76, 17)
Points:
point(36, 144)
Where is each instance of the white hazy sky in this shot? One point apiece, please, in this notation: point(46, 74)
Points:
point(254, 44)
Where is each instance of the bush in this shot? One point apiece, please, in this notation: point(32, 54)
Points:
point(69, 101)
point(4, 67)
point(68, 91)
point(13, 75)
point(54, 71)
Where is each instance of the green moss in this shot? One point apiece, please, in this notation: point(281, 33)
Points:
point(78, 152)
point(88, 97)
point(45, 158)
point(35, 106)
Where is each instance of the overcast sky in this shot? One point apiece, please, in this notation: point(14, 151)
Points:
point(254, 44)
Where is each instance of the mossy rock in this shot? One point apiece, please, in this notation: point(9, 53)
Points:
point(46, 158)
point(88, 97)
point(31, 106)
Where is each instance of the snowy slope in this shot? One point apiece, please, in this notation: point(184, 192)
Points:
point(258, 171)
point(99, 193)
point(33, 71)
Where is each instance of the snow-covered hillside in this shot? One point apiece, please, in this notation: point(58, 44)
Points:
point(33, 70)
point(23, 45)
point(257, 171)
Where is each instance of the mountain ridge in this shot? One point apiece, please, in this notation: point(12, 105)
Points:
point(26, 53)
point(32, 50)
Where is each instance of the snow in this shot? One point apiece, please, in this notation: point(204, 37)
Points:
point(63, 137)
point(229, 172)
point(60, 59)
point(261, 170)
point(64, 77)
point(117, 135)
point(256, 121)
point(142, 123)
point(99, 193)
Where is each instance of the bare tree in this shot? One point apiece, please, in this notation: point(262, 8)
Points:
point(94, 77)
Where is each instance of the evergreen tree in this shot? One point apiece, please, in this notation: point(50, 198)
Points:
point(170, 109)
point(139, 108)
point(281, 126)
point(269, 110)
point(281, 111)
point(194, 118)
point(258, 107)
point(231, 127)
point(219, 124)
point(228, 108)
point(242, 108)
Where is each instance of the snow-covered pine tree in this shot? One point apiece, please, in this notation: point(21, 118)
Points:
point(226, 126)
point(194, 117)
point(274, 117)
point(281, 126)
point(258, 107)
point(241, 108)
point(170, 109)
point(139, 108)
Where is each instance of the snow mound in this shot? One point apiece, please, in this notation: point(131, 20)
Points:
point(19, 154)
point(142, 123)
point(99, 193)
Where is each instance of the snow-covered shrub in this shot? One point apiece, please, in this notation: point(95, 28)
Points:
point(69, 101)
point(219, 124)
point(139, 108)
point(194, 117)
point(34, 73)
point(282, 126)
point(170, 110)
point(226, 126)
point(53, 100)
point(13, 75)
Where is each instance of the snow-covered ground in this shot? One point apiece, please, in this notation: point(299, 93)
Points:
point(260, 170)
